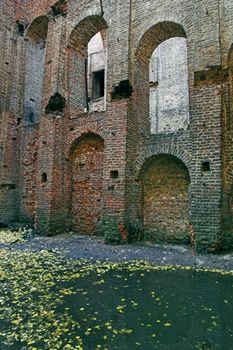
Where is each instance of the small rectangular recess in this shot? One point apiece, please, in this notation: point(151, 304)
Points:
point(98, 84)
point(114, 174)
point(205, 165)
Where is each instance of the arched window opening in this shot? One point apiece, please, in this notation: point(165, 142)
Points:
point(96, 73)
point(34, 75)
point(87, 66)
point(169, 93)
point(161, 76)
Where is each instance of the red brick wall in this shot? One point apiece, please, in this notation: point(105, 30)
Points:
point(124, 126)
point(87, 184)
point(29, 165)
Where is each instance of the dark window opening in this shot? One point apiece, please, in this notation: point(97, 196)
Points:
point(44, 177)
point(20, 29)
point(206, 165)
point(114, 174)
point(18, 122)
point(97, 84)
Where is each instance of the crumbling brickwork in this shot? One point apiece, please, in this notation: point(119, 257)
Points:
point(50, 122)
point(87, 184)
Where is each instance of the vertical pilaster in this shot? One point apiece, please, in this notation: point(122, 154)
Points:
point(50, 196)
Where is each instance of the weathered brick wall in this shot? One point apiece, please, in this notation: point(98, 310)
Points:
point(8, 129)
point(166, 199)
point(87, 184)
point(203, 139)
point(39, 184)
point(110, 125)
point(226, 20)
point(28, 167)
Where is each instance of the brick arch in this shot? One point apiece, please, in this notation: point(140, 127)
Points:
point(180, 19)
point(85, 30)
point(37, 30)
point(165, 198)
point(173, 151)
point(148, 122)
point(84, 136)
point(73, 138)
point(155, 35)
point(150, 159)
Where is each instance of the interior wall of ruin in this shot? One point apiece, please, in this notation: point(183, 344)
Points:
point(180, 108)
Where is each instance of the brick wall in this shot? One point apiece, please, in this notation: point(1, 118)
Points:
point(132, 30)
point(165, 202)
point(87, 184)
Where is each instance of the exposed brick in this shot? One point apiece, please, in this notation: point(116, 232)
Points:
point(44, 47)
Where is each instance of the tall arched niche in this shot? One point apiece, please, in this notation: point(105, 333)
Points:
point(34, 68)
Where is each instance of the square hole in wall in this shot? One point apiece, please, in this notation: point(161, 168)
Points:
point(97, 84)
point(114, 174)
point(44, 177)
point(20, 28)
point(206, 165)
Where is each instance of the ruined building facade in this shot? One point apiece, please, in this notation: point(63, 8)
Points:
point(118, 115)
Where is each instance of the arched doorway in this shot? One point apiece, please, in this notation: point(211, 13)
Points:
point(87, 175)
point(166, 205)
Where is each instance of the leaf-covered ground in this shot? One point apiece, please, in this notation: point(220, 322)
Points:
point(10, 237)
point(50, 302)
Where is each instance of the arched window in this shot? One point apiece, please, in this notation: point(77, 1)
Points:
point(169, 93)
point(96, 73)
point(161, 79)
point(87, 66)
point(34, 65)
